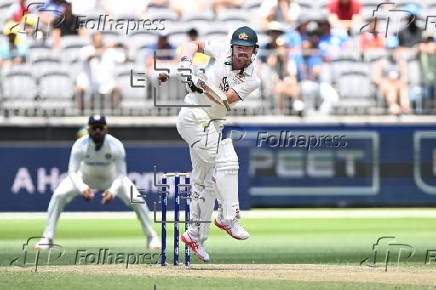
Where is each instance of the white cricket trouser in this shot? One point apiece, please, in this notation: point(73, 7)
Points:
point(66, 191)
point(195, 127)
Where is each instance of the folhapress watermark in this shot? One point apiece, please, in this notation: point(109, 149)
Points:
point(56, 254)
point(104, 256)
point(286, 139)
point(104, 22)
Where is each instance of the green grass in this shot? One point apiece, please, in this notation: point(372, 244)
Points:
point(45, 281)
point(272, 241)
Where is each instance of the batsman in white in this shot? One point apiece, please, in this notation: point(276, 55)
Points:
point(214, 161)
point(97, 162)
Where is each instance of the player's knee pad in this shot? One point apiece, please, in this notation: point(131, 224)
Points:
point(227, 159)
point(226, 179)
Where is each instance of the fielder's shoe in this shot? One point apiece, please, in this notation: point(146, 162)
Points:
point(154, 243)
point(235, 230)
point(195, 246)
point(44, 244)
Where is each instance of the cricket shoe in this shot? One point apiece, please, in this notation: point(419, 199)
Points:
point(195, 246)
point(44, 244)
point(154, 243)
point(235, 230)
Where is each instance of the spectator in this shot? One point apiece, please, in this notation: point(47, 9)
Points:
point(427, 63)
point(412, 33)
point(219, 5)
point(312, 86)
point(331, 42)
point(371, 39)
point(68, 24)
point(283, 11)
point(274, 32)
point(286, 86)
point(165, 52)
point(17, 11)
point(294, 37)
point(310, 63)
point(192, 34)
point(390, 75)
point(51, 11)
point(344, 13)
point(199, 59)
point(98, 75)
point(278, 67)
point(189, 6)
point(12, 48)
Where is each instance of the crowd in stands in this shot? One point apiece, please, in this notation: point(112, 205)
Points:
point(323, 57)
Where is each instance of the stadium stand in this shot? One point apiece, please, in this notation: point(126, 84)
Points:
point(343, 63)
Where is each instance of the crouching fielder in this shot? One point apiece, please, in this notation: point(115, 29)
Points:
point(97, 162)
point(214, 161)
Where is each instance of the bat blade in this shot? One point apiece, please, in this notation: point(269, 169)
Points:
point(216, 93)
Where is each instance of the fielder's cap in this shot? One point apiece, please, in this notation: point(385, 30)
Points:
point(244, 36)
point(97, 119)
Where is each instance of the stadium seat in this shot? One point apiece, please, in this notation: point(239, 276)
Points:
point(253, 106)
point(134, 101)
point(43, 65)
point(71, 47)
point(368, 7)
point(4, 6)
point(19, 91)
point(374, 54)
point(39, 50)
point(252, 4)
point(403, 3)
point(204, 17)
point(75, 67)
point(112, 36)
point(73, 40)
point(233, 14)
point(308, 7)
point(166, 14)
point(56, 93)
point(142, 39)
point(409, 54)
point(177, 38)
point(352, 100)
point(217, 35)
point(339, 66)
point(201, 21)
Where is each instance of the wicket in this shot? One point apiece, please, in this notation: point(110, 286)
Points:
point(178, 194)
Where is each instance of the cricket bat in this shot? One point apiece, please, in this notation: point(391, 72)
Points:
point(214, 92)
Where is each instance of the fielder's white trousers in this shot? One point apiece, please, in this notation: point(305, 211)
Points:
point(66, 191)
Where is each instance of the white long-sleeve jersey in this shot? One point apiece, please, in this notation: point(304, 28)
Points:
point(102, 169)
point(221, 75)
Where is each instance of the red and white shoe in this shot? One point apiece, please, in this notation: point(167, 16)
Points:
point(235, 230)
point(195, 246)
